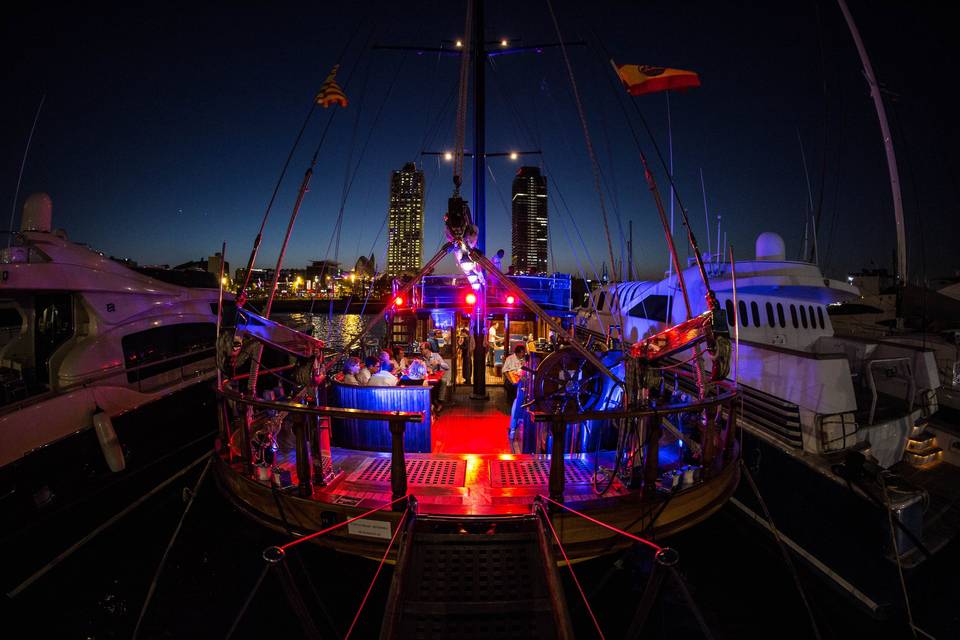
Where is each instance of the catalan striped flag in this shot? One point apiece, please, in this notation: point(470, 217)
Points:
point(330, 92)
point(641, 79)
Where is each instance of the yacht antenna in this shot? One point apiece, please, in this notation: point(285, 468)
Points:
point(901, 261)
point(706, 214)
point(806, 222)
point(23, 163)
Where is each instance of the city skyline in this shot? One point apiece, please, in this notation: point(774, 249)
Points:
point(530, 231)
point(160, 136)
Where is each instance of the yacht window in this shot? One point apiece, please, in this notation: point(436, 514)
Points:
point(653, 307)
point(169, 347)
point(813, 321)
point(780, 318)
point(803, 316)
point(742, 307)
point(600, 299)
point(770, 315)
point(793, 316)
point(729, 306)
point(755, 310)
point(820, 317)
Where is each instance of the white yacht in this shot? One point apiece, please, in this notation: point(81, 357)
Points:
point(100, 368)
point(824, 417)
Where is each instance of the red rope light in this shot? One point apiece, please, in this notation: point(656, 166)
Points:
point(338, 525)
point(650, 544)
point(383, 560)
point(573, 575)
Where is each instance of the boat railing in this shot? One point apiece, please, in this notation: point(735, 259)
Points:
point(310, 423)
point(712, 440)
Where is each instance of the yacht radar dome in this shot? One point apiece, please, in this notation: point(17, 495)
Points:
point(37, 213)
point(770, 246)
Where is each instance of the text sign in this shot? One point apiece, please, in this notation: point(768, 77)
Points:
point(370, 528)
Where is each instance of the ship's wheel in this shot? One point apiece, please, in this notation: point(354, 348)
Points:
point(567, 383)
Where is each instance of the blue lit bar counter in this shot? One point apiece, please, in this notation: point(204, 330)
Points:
point(374, 435)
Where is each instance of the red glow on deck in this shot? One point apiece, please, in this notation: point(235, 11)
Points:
point(462, 430)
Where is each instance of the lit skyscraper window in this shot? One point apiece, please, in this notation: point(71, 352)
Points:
point(405, 235)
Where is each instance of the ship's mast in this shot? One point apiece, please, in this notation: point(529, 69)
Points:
point(887, 145)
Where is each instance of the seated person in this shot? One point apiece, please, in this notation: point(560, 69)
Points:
point(386, 358)
point(513, 370)
point(351, 368)
point(382, 377)
point(400, 358)
point(416, 375)
point(371, 366)
point(434, 364)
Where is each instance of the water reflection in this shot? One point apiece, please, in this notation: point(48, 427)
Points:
point(333, 329)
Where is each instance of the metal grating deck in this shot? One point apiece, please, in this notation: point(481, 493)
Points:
point(430, 473)
point(534, 473)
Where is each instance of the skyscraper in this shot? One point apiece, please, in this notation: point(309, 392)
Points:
point(529, 221)
point(405, 239)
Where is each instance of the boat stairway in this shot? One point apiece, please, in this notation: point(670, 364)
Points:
point(922, 446)
point(480, 577)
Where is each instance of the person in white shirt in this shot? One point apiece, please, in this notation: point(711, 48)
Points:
point(434, 364)
point(382, 378)
point(351, 368)
point(371, 366)
point(513, 370)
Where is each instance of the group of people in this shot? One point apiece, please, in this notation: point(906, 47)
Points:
point(393, 368)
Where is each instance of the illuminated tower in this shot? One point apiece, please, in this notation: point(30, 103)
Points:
point(529, 221)
point(405, 239)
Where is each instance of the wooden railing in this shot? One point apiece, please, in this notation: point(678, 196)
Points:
point(715, 441)
point(311, 429)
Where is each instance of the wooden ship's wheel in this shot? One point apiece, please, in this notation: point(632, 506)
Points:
point(565, 382)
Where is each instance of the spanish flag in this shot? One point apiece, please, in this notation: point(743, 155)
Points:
point(330, 92)
point(644, 78)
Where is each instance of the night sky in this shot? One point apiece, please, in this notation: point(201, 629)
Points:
point(165, 128)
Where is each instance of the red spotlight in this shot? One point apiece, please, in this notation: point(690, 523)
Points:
point(471, 299)
point(511, 299)
point(398, 301)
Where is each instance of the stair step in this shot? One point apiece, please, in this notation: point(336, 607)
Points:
point(923, 441)
point(919, 427)
point(926, 456)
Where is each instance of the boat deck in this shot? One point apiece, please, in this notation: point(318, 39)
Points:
point(470, 470)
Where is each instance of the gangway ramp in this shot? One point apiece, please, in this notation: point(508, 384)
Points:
point(464, 578)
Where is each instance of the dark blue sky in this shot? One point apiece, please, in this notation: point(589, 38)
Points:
point(164, 129)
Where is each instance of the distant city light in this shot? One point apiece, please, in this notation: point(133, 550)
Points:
point(503, 42)
point(459, 43)
point(448, 156)
point(513, 155)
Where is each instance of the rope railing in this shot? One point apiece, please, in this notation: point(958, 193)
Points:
point(279, 551)
point(648, 543)
point(376, 574)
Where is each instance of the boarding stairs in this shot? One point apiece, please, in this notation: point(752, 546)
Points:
point(922, 448)
point(480, 577)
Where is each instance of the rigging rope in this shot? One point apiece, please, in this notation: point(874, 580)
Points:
point(461, 124)
point(316, 534)
point(573, 574)
point(648, 543)
point(594, 165)
point(383, 560)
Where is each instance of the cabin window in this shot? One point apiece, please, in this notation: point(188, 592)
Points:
point(793, 316)
point(813, 321)
point(169, 347)
point(803, 316)
point(780, 318)
point(755, 311)
point(729, 306)
point(770, 321)
point(820, 317)
point(600, 300)
point(742, 308)
point(653, 307)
